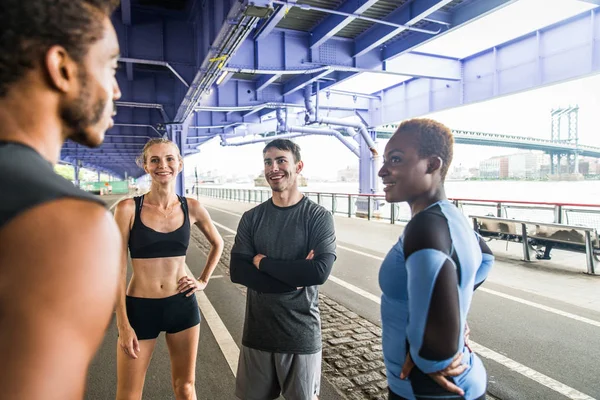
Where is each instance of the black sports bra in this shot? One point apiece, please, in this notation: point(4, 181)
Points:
point(145, 242)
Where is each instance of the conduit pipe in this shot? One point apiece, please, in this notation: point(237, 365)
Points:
point(295, 131)
point(340, 122)
point(357, 125)
point(308, 101)
point(246, 108)
point(153, 62)
point(240, 70)
point(259, 140)
point(326, 132)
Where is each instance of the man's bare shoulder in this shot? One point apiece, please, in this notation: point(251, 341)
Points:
point(60, 272)
point(71, 230)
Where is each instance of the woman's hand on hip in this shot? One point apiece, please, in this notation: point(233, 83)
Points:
point(455, 368)
point(190, 285)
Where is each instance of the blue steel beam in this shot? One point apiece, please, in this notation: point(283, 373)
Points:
point(289, 53)
point(564, 51)
point(271, 23)
point(126, 12)
point(265, 81)
point(408, 15)
point(463, 14)
point(226, 44)
point(334, 23)
point(440, 17)
point(460, 16)
point(302, 81)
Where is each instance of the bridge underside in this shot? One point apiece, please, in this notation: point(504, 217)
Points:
point(196, 69)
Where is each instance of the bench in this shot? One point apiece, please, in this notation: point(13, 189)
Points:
point(541, 237)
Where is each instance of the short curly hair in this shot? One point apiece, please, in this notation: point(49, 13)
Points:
point(29, 28)
point(434, 138)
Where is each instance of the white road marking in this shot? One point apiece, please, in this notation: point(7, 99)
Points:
point(224, 227)
point(219, 330)
point(223, 211)
point(483, 289)
point(216, 276)
point(362, 253)
point(355, 289)
point(542, 379)
point(542, 307)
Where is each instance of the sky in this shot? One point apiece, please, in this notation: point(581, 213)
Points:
point(523, 114)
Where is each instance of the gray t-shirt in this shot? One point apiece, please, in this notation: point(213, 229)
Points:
point(284, 322)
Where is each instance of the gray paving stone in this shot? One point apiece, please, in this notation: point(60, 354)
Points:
point(341, 340)
point(367, 378)
point(342, 383)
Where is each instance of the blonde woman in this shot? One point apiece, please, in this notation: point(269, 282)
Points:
point(160, 296)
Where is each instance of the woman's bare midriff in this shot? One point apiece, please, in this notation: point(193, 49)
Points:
point(156, 277)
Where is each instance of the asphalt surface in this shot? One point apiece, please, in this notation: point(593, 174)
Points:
point(562, 350)
point(214, 378)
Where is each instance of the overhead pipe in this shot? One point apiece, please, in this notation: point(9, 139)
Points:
point(246, 108)
point(296, 131)
point(139, 126)
point(352, 133)
point(276, 71)
point(261, 139)
point(311, 118)
point(362, 129)
point(308, 101)
point(129, 136)
point(333, 68)
point(352, 94)
point(324, 131)
point(137, 104)
point(153, 62)
point(281, 123)
point(357, 16)
point(216, 126)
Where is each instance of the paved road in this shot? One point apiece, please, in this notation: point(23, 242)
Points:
point(214, 376)
point(550, 356)
point(534, 346)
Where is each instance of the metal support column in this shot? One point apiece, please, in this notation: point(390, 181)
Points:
point(367, 175)
point(178, 134)
point(76, 166)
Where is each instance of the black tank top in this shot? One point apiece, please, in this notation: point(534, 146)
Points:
point(145, 242)
point(28, 180)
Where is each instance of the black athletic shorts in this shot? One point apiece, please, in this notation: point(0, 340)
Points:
point(394, 396)
point(149, 317)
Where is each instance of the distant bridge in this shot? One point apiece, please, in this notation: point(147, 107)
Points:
point(519, 142)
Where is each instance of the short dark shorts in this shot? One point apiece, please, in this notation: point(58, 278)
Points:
point(394, 396)
point(149, 317)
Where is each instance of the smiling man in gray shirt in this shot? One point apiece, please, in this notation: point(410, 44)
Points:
point(284, 249)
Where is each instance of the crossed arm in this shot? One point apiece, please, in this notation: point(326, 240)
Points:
point(268, 275)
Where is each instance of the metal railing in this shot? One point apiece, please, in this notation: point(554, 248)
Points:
point(374, 207)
